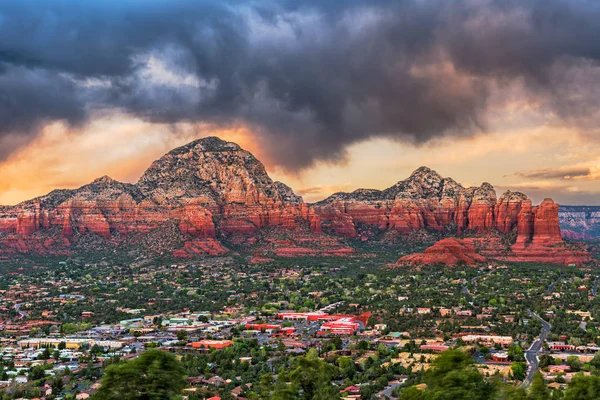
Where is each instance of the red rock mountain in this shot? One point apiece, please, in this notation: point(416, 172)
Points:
point(202, 197)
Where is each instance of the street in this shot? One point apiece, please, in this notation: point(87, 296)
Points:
point(531, 354)
point(551, 287)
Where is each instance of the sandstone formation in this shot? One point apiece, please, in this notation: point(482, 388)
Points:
point(580, 222)
point(209, 195)
point(450, 251)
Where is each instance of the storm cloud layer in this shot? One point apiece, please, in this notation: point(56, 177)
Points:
point(308, 78)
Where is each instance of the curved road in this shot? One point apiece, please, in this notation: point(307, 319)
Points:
point(531, 355)
point(22, 314)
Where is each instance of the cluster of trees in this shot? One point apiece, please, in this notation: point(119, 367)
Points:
point(158, 375)
point(453, 376)
point(154, 375)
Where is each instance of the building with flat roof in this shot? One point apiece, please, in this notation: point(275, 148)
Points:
point(211, 344)
point(70, 343)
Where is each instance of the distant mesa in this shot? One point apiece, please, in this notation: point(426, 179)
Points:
point(209, 195)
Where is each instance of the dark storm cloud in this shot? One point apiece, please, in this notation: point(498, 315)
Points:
point(308, 77)
point(29, 99)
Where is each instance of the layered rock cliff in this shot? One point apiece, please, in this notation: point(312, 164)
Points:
point(428, 201)
point(580, 222)
point(207, 195)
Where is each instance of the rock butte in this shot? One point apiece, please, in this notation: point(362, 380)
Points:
point(210, 193)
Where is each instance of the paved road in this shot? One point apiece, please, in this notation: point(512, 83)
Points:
point(465, 289)
point(551, 287)
point(595, 288)
point(388, 391)
point(331, 306)
point(531, 355)
point(22, 314)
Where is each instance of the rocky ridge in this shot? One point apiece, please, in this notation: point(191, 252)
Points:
point(216, 195)
point(580, 222)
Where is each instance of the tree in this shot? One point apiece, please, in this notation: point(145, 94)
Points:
point(515, 353)
point(574, 363)
point(511, 393)
point(363, 345)
point(154, 375)
point(310, 380)
point(583, 388)
point(182, 335)
point(337, 343)
point(546, 360)
point(518, 370)
point(266, 382)
point(37, 372)
point(412, 393)
point(46, 354)
point(538, 389)
point(57, 385)
point(452, 376)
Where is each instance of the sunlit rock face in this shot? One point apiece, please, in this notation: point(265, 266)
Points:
point(210, 192)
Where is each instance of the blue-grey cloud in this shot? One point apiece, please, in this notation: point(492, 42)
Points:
point(310, 77)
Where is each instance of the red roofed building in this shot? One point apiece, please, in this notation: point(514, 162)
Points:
point(500, 357)
point(211, 344)
point(261, 327)
point(288, 331)
point(344, 326)
point(321, 316)
point(558, 368)
point(352, 390)
point(434, 347)
point(561, 346)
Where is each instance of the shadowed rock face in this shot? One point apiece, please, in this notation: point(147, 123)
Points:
point(213, 191)
point(580, 222)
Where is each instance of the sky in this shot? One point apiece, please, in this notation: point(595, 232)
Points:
point(330, 95)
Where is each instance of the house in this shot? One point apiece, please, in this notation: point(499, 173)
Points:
point(211, 344)
point(464, 313)
point(236, 392)
point(556, 385)
point(445, 311)
point(488, 339)
point(560, 346)
point(500, 357)
point(558, 368)
point(351, 390)
point(263, 327)
point(436, 347)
